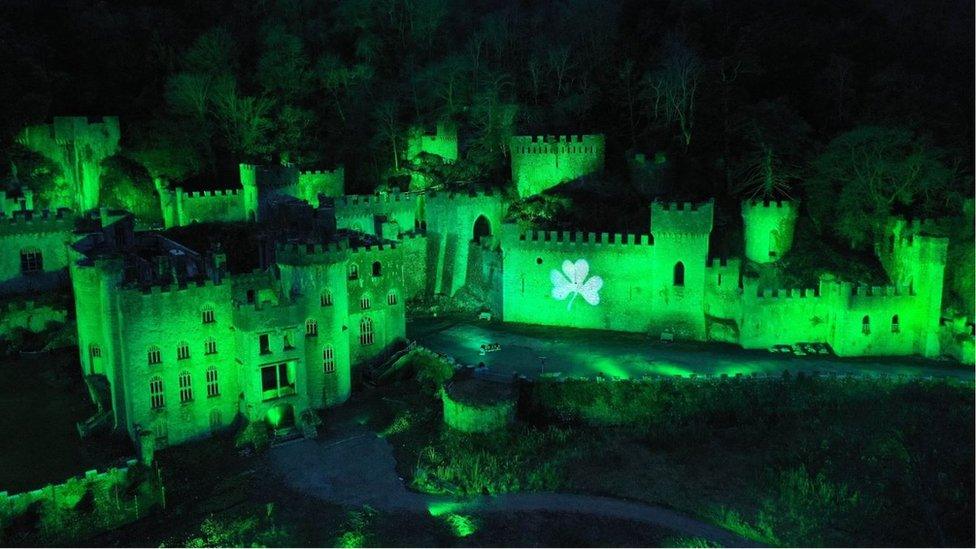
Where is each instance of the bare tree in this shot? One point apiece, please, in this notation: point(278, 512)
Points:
point(672, 87)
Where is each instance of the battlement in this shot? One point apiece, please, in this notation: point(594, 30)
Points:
point(312, 173)
point(788, 207)
point(209, 194)
point(168, 289)
point(454, 195)
point(558, 144)
point(302, 254)
point(878, 291)
point(350, 200)
point(37, 221)
point(792, 293)
point(681, 217)
point(579, 238)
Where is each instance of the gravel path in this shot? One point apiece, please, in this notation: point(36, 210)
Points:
point(358, 469)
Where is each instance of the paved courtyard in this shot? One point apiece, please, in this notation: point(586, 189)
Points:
point(532, 350)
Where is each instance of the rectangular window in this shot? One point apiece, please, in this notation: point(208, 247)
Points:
point(328, 360)
point(277, 380)
point(210, 347)
point(208, 317)
point(154, 356)
point(264, 340)
point(183, 352)
point(186, 388)
point(31, 261)
point(156, 394)
point(326, 299)
point(213, 389)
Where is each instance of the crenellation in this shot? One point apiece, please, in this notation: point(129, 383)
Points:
point(585, 239)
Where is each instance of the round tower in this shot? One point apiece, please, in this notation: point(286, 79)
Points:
point(768, 228)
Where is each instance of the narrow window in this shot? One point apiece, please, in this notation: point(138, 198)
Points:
point(391, 298)
point(183, 351)
point(186, 389)
point(94, 351)
point(31, 261)
point(328, 359)
point(213, 389)
point(894, 325)
point(156, 393)
point(679, 274)
point(326, 299)
point(264, 340)
point(153, 355)
point(866, 325)
point(210, 346)
point(366, 331)
point(364, 302)
point(250, 296)
point(208, 315)
point(353, 271)
point(311, 328)
point(377, 268)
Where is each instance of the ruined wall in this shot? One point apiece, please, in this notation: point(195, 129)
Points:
point(541, 162)
point(77, 144)
point(366, 213)
point(118, 496)
point(443, 142)
point(226, 205)
point(49, 233)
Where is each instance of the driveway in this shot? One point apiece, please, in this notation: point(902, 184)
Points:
point(588, 353)
point(357, 468)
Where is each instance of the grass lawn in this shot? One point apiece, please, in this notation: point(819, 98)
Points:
point(42, 396)
point(796, 461)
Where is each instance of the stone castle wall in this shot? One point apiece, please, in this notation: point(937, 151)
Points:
point(541, 162)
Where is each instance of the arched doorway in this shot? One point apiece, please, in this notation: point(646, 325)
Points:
point(482, 228)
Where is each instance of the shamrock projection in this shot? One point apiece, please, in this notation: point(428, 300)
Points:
point(572, 281)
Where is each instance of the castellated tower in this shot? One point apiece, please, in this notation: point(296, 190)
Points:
point(680, 233)
point(541, 162)
point(768, 229)
point(249, 181)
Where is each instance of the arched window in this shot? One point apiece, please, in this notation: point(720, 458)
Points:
point(213, 388)
point(153, 355)
point(328, 359)
point(326, 299)
point(208, 315)
point(31, 261)
point(391, 298)
point(366, 331)
point(94, 351)
point(311, 328)
point(182, 350)
point(210, 346)
point(186, 389)
point(156, 393)
point(679, 274)
point(353, 271)
point(364, 301)
point(894, 325)
point(482, 228)
point(866, 325)
point(377, 269)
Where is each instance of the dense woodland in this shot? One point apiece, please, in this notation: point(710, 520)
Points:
point(860, 108)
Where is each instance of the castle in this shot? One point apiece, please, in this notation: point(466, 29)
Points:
point(176, 341)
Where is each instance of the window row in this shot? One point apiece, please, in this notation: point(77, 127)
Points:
point(866, 325)
point(353, 270)
point(157, 396)
point(326, 300)
point(154, 354)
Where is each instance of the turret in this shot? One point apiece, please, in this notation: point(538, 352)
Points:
point(768, 229)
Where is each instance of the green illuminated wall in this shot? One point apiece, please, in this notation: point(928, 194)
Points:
point(541, 162)
point(443, 142)
point(48, 233)
point(768, 229)
point(638, 292)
